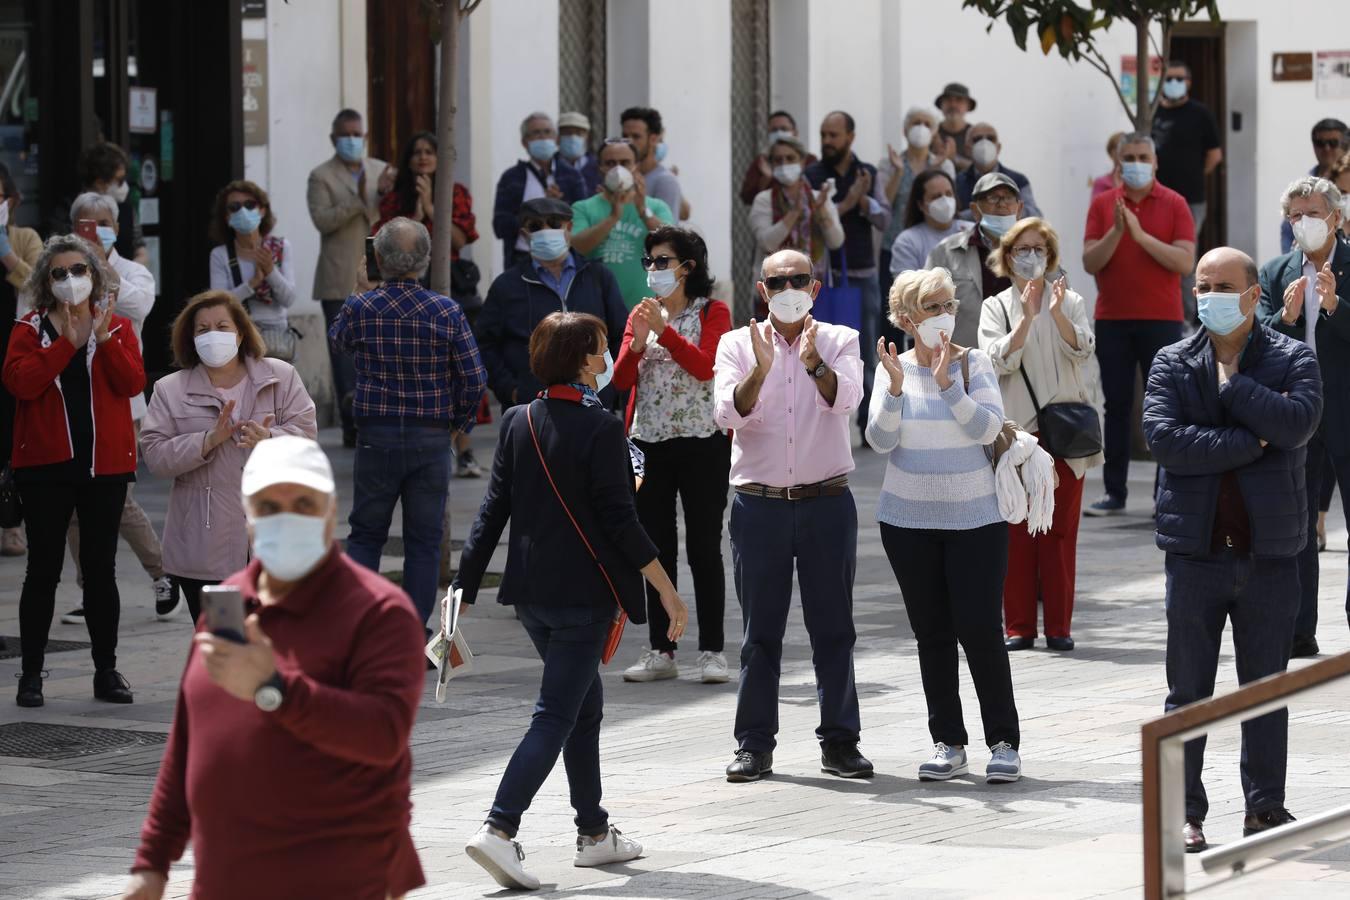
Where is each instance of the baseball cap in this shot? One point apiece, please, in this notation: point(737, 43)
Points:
point(991, 180)
point(287, 459)
point(574, 120)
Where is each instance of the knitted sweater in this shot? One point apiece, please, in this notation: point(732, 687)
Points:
point(937, 476)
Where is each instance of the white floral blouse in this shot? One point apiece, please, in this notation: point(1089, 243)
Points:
point(671, 403)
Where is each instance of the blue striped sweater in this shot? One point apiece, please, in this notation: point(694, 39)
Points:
point(937, 475)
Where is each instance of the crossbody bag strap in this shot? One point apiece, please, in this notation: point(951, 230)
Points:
point(529, 420)
point(234, 269)
point(1021, 368)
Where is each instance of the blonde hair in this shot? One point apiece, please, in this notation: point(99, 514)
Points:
point(911, 288)
point(1000, 262)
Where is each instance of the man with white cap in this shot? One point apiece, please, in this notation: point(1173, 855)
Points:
point(574, 131)
point(292, 747)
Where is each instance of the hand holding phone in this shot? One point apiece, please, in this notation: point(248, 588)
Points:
point(223, 607)
point(88, 229)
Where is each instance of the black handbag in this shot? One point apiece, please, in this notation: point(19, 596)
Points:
point(11, 507)
point(1067, 430)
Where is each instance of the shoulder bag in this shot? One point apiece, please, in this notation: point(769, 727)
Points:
point(1068, 430)
point(1007, 435)
point(620, 617)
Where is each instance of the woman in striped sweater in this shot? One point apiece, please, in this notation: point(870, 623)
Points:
point(940, 522)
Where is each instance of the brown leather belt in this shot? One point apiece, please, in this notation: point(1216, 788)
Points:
point(832, 487)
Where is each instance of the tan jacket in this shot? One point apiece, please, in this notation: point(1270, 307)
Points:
point(343, 220)
point(27, 246)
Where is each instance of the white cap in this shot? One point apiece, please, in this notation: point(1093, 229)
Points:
point(287, 459)
point(574, 120)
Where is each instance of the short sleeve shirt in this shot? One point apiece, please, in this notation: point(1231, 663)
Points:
point(1133, 285)
point(1184, 134)
point(621, 251)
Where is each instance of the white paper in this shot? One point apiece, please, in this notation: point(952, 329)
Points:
point(149, 210)
point(438, 648)
point(141, 110)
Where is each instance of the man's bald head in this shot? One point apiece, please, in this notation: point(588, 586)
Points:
point(785, 262)
point(1228, 266)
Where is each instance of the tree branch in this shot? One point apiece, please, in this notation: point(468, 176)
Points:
point(469, 7)
point(1166, 26)
point(1098, 62)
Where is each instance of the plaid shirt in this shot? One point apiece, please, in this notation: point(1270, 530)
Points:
point(415, 356)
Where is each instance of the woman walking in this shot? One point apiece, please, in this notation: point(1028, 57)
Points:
point(577, 556)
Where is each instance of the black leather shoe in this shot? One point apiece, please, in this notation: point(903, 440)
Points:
point(1019, 643)
point(1062, 644)
point(750, 766)
point(30, 690)
point(844, 760)
point(111, 687)
point(1193, 833)
point(1255, 823)
point(1304, 645)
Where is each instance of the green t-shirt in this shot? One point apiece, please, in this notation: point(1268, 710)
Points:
point(621, 251)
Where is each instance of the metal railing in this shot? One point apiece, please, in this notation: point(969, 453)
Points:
point(1164, 781)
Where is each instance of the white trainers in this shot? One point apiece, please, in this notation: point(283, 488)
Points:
point(503, 859)
point(74, 617)
point(168, 603)
point(1005, 764)
point(653, 665)
point(947, 762)
point(612, 848)
point(712, 667)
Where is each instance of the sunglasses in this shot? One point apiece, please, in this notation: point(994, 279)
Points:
point(540, 224)
point(659, 263)
point(247, 204)
point(1330, 144)
point(61, 273)
point(800, 281)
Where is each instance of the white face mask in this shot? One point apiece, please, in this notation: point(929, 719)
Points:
point(929, 329)
point(788, 173)
point(943, 210)
point(919, 135)
point(289, 545)
point(790, 306)
point(984, 152)
point(662, 282)
point(1311, 233)
point(119, 191)
point(216, 348)
point(74, 290)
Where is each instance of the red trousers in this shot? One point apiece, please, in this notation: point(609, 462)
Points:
point(1044, 566)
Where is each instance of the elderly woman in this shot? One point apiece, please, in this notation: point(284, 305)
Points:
point(252, 263)
point(1039, 338)
point(562, 477)
point(940, 521)
point(204, 421)
point(899, 171)
point(791, 216)
point(73, 366)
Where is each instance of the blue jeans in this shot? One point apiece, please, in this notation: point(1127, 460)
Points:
point(1125, 346)
point(408, 463)
point(344, 371)
point(566, 717)
point(821, 536)
point(1261, 597)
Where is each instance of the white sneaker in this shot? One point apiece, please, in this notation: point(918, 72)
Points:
point(1005, 764)
point(947, 762)
point(653, 665)
point(501, 858)
point(74, 617)
point(712, 667)
point(167, 602)
point(613, 848)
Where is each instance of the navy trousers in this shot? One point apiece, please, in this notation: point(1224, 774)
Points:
point(1315, 472)
point(821, 536)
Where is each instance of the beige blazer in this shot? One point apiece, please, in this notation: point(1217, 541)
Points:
point(344, 220)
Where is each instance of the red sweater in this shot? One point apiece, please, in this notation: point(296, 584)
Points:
point(311, 800)
point(41, 429)
point(696, 360)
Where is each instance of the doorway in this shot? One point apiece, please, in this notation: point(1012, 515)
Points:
point(1200, 45)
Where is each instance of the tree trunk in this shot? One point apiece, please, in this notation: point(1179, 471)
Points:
point(1143, 103)
point(445, 153)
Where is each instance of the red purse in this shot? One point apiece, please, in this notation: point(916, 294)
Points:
point(620, 617)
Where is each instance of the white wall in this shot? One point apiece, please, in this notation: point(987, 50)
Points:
point(845, 44)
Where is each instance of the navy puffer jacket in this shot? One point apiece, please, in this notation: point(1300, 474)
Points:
point(1198, 431)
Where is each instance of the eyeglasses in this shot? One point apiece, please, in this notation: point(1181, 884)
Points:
point(236, 205)
point(1000, 200)
point(800, 281)
point(659, 263)
point(1028, 252)
point(61, 273)
point(554, 222)
point(947, 306)
point(1327, 144)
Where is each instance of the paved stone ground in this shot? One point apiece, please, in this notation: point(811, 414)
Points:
point(1069, 829)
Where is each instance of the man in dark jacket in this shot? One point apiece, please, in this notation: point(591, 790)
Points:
point(552, 278)
point(544, 174)
point(1228, 413)
point(1301, 296)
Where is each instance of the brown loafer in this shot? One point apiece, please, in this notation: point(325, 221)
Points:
point(1193, 833)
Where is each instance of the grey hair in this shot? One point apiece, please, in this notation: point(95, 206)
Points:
point(1307, 186)
point(404, 248)
point(38, 287)
point(95, 201)
point(525, 122)
point(1137, 137)
point(919, 111)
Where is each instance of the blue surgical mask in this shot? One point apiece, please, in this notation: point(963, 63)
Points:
point(289, 545)
point(662, 282)
point(661, 151)
point(350, 147)
point(997, 226)
point(573, 146)
point(602, 378)
point(547, 244)
point(543, 149)
point(1174, 88)
point(106, 236)
point(245, 221)
point(1136, 174)
point(1220, 313)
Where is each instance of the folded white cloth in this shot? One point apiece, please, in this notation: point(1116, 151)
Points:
point(1025, 484)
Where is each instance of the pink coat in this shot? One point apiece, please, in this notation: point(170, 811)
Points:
point(205, 534)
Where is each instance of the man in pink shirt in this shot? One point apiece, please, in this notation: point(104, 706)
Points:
point(788, 390)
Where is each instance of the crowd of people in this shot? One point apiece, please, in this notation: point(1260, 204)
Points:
point(626, 390)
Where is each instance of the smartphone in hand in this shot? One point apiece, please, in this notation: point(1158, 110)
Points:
point(88, 229)
point(223, 607)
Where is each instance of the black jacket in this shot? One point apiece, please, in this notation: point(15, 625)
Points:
point(511, 193)
point(547, 563)
point(1333, 335)
point(1198, 431)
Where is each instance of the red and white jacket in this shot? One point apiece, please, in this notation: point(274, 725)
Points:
point(32, 373)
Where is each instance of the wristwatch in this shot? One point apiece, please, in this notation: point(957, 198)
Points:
point(271, 694)
point(819, 371)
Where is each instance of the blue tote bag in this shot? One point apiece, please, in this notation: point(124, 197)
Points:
point(839, 303)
